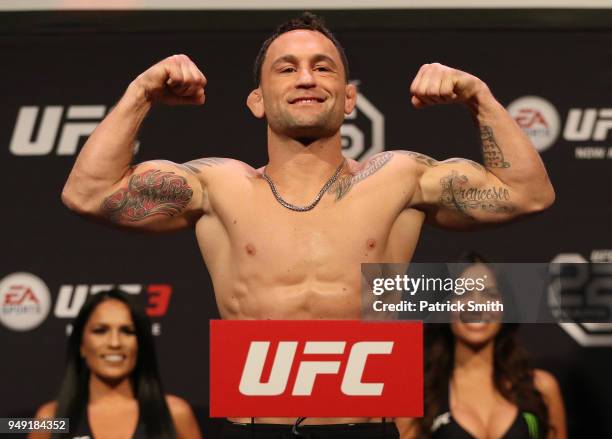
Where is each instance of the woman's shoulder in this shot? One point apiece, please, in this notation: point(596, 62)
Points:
point(47, 410)
point(178, 407)
point(184, 419)
point(545, 382)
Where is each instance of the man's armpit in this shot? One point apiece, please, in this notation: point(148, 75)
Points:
point(149, 193)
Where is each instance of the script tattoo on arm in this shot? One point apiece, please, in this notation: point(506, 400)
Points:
point(458, 195)
point(344, 183)
point(491, 152)
point(153, 192)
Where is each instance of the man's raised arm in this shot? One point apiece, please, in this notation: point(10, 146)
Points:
point(459, 193)
point(157, 195)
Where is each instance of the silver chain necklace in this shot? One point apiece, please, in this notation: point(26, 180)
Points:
point(317, 198)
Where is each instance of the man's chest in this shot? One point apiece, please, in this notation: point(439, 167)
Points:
point(331, 235)
point(354, 227)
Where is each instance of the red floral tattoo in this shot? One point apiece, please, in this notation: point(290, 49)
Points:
point(154, 192)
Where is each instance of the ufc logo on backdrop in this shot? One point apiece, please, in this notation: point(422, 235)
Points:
point(316, 368)
point(54, 128)
point(588, 124)
point(79, 120)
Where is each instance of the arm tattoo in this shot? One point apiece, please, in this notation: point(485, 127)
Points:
point(430, 162)
point(421, 158)
point(154, 192)
point(491, 152)
point(194, 165)
point(344, 183)
point(459, 196)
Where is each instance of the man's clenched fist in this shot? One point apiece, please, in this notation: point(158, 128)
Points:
point(439, 84)
point(173, 81)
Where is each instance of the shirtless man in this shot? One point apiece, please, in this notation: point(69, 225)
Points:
point(286, 241)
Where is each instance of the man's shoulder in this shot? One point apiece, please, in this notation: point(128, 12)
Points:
point(413, 158)
point(222, 166)
point(393, 162)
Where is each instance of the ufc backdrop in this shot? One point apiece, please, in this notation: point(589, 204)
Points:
point(61, 74)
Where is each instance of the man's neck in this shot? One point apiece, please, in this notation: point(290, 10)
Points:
point(301, 169)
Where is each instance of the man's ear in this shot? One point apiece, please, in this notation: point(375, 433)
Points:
point(351, 98)
point(255, 103)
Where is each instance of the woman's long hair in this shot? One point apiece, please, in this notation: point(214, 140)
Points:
point(512, 372)
point(74, 392)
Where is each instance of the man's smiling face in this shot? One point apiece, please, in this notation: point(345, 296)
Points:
point(303, 89)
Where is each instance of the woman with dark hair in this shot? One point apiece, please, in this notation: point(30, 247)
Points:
point(111, 387)
point(478, 381)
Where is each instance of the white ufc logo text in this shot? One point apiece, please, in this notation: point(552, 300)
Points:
point(352, 385)
point(588, 124)
point(78, 121)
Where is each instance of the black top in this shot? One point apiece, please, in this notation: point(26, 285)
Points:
point(525, 426)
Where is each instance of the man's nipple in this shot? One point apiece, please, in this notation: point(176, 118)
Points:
point(250, 249)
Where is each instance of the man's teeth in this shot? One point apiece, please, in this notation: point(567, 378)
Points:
point(113, 358)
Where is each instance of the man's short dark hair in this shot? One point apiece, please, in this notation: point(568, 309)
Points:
point(308, 21)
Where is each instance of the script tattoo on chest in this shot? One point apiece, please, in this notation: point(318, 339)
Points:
point(153, 192)
point(491, 152)
point(344, 183)
point(458, 195)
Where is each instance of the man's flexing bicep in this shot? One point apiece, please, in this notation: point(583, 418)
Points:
point(513, 181)
point(460, 193)
point(154, 195)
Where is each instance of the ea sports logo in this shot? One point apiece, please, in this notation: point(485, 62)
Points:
point(24, 301)
point(538, 118)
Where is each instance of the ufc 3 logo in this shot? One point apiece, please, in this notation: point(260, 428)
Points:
point(250, 383)
point(71, 298)
point(324, 368)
